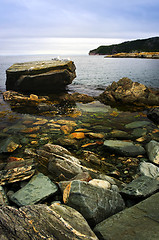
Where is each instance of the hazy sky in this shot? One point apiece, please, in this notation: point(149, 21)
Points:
point(47, 19)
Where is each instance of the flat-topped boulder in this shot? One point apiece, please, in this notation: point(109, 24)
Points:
point(40, 76)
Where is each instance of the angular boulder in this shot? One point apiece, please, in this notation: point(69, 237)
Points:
point(128, 92)
point(149, 170)
point(40, 76)
point(138, 222)
point(57, 222)
point(94, 203)
point(39, 188)
point(141, 187)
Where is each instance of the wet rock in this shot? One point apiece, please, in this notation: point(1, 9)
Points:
point(153, 114)
point(3, 197)
point(124, 148)
point(9, 145)
point(66, 122)
point(118, 134)
point(94, 135)
point(153, 151)
point(77, 135)
point(141, 187)
point(66, 129)
point(149, 170)
point(67, 142)
point(16, 171)
point(139, 132)
point(43, 222)
point(137, 222)
point(62, 165)
point(38, 189)
point(128, 92)
point(44, 107)
point(137, 124)
point(41, 77)
point(95, 107)
point(92, 158)
point(82, 98)
point(94, 203)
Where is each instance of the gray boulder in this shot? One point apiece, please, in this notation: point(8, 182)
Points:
point(149, 170)
point(40, 76)
point(139, 222)
point(38, 189)
point(141, 187)
point(94, 203)
point(124, 148)
point(57, 222)
point(153, 151)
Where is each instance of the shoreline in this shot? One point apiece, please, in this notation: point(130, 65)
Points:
point(148, 55)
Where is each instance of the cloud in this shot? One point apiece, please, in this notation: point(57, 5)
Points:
point(80, 18)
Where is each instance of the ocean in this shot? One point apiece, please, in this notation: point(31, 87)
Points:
point(95, 73)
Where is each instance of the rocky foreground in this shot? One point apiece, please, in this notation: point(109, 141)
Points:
point(81, 170)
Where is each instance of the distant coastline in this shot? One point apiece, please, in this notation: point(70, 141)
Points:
point(141, 48)
point(149, 55)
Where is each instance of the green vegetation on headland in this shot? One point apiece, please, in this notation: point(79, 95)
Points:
point(136, 46)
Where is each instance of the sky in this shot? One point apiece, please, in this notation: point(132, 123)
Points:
point(55, 26)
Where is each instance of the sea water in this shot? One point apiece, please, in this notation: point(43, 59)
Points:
point(94, 73)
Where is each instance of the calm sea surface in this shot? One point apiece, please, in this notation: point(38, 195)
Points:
point(94, 73)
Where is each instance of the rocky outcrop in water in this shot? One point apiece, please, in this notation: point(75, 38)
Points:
point(40, 76)
point(125, 91)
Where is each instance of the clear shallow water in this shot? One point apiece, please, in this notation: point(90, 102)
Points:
point(94, 73)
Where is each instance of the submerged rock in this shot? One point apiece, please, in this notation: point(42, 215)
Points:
point(124, 148)
point(57, 222)
point(40, 76)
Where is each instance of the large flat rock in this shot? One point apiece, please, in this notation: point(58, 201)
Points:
point(40, 76)
point(140, 222)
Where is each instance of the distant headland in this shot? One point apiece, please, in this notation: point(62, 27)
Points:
point(142, 48)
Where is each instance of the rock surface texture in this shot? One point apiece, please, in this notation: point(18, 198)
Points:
point(94, 203)
point(38, 222)
point(138, 222)
point(128, 92)
point(40, 76)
